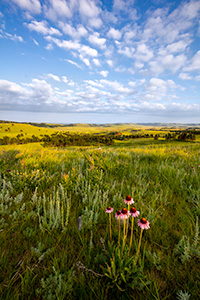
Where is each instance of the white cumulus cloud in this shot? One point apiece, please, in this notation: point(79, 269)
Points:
point(32, 6)
point(42, 27)
point(114, 34)
point(54, 77)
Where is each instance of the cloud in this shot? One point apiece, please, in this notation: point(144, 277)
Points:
point(122, 4)
point(88, 9)
point(64, 79)
point(168, 62)
point(166, 28)
point(95, 22)
point(110, 62)
point(35, 93)
point(125, 8)
point(185, 13)
point(104, 73)
point(130, 34)
point(77, 33)
point(83, 50)
point(71, 83)
point(147, 97)
point(114, 34)
point(184, 76)
point(56, 9)
point(122, 69)
point(40, 91)
point(65, 44)
point(85, 60)
point(96, 62)
point(33, 6)
point(11, 87)
point(94, 83)
point(143, 53)
point(197, 78)
point(86, 50)
point(35, 42)
point(61, 9)
point(179, 46)
point(42, 27)
point(73, 63)
point(97, 41)
point(54, 77)
point(12, 37)
point(116, 86)
point(138, 65)
point(127, 51)
point(194, 64)
point(49, 47)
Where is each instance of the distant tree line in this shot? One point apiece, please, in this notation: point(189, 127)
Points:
point(65, 139)
point(60, 139)
point(19, 139)
point(122, 137)
point(181, 136)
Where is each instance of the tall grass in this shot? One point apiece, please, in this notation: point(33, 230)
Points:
point(55, 233)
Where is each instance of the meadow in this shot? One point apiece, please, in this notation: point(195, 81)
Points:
point(58, 242)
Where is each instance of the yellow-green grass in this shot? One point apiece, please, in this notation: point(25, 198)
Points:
point(27, 130)
point(38, 261)
point(7, 129)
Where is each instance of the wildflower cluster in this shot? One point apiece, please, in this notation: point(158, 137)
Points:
point(122, 217)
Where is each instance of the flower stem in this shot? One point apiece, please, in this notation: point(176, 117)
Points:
point(110, 227)
point(132, 222)
point(127, 221)
point(124, 237)
point(119, 230)
point(139, 246)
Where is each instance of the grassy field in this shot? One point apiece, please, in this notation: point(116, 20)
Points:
point(13, 129)
point(58, 242)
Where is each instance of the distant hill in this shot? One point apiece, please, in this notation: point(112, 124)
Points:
point(163, 125)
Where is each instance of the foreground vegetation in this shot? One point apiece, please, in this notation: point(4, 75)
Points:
point(57, 241)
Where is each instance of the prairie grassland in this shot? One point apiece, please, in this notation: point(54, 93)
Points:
point(55, 234)
point(13, 129)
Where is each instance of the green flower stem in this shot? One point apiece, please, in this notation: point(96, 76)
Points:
point(139, 246)
point(132, 222)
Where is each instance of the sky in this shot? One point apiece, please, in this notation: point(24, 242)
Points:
point(100, 61)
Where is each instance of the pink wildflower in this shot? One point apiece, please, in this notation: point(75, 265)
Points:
point(128, 200)
point(134, 213)
point(143, 223)
point(109, 210)
point(118, 214)
point(124, 213)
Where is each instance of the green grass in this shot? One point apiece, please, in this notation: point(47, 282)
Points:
point(43, 253)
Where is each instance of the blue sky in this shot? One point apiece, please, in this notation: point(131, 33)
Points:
point(122, 58)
